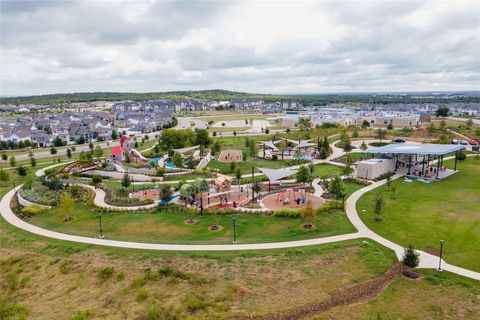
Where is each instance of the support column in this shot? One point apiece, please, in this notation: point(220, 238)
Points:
point(438, 166)
point(456, 156)
point(409, 164)
point(423, 166)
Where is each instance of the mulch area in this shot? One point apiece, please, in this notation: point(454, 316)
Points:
point(432, 251)
point(357, 293)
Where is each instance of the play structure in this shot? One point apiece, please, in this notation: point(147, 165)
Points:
point(230, 156)
point(126, 149)
point(291, 199)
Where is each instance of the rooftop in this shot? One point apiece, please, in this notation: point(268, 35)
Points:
point(416, 149)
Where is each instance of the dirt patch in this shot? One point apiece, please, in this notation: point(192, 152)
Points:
point(432, 251)
point(230, 156)
point(215, 227)
point(357, 293)
point(308, 226)
point(190, 221)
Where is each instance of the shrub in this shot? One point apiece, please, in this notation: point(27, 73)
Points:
point(34, 210)
point(12, 311)
point(274, 157)
point(106, 273)
point(195, 304)
point(287, 213)
point(329, 206)
point(142, 295)
point(167, 271)
point(410, 257)
point(81, 315)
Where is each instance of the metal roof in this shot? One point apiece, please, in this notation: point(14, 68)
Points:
point(418, 149)
point(277, 174)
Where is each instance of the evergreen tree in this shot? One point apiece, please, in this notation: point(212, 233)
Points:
point(410, 257)
point(126, 181)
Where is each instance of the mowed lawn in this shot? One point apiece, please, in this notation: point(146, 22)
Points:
point(170, 227)
point(246, 166)
point(422, 214)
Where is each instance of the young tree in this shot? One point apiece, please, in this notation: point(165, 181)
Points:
point(267, 131)
point(165, 194)
point(65, 206)
point(308, 214)
point(90, 145)
point(253, 148)
point(126, 181)
point(13, 161)
point(337, 188)
point(410, 257)
point(381, 134)
point(347, 170)
point(202, 138)
point(355, 133)
point(304, 124)
point(326, 145)
point(216, 148)
point(311, 167)
point(4, 156)
point(257, 187)
point(431, 128)
point(390, 126)
point(96, 180)
point(114, 134)
point(57, 142)
point(232, 166)
point(33, 162)
point(363, 146)
point(177, 160)
point(238, 175)
point(378, 207)
point(304, 175)
point(323, 154)
point(98, 152)
point(53, 150)
point(393, 194)
point(69, 153)
point(469, 123)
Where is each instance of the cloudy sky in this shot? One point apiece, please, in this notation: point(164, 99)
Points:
point(267, 47)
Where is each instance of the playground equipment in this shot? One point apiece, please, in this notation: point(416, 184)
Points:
point(285, 196)
point(80, 166)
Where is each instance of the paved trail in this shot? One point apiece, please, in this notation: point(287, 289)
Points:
point(426, 260)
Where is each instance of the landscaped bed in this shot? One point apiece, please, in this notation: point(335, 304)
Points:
point(423, 214)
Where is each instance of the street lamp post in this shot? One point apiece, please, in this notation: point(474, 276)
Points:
point(234, 230)
point(441, 254)
point(101, 227)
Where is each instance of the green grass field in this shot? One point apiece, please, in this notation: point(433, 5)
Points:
point(246, 166)
point(170, 227)
point(423, 214)
point(325, 170)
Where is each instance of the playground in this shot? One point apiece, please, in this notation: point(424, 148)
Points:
point(291, 199)
point(230, 156)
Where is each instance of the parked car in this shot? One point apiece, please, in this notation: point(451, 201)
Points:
point(464, 143)
point(454, 141)
point(473, 142)
point(399, 140)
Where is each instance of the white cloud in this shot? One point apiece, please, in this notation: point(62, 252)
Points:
point(71, 46)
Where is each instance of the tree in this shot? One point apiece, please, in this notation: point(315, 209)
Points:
point(442, 112)
point(216, 148)
point(365, 124)
point(96, 180)
point(431, 128)
point(363, 146)
point(444, 139)
point(165, 194)
point(410, 257)
point(308, 214)
point(4, 176)
point(177, 160)
point(311, 167)
point(90, 145)
point(65, 207)
point(326, 145)
point(57, 142)
point(381, 134)
point(202, 138)
point(33, 162)
point(304, 124)
point(114, 134)
point(337, 188)
point(81, 140)
point(355, 133)
point(304, 175)
point(69, 153)
point(126, 181)
point(238, 175)
point(469, 123)
point(232, 166)
point(82, 156)
point(348, 169)
point(390, 126)
point(53, 150)
point(393, 191)
point(323, 154)
point(234, 133)
point(135, 145)
point(4, 156)
point(257, 187)
point(253, 148)
point(214, 133)
point(98, 152)
point(13, 161)
point(379, 203)
point(267, 131)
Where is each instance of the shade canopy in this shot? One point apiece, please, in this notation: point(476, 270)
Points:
point(271, 145)
point(277, 174)
point(417, 149)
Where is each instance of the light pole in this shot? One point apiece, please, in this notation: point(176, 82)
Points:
point(234, 230)
point(440, 259)
point(101, 227)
